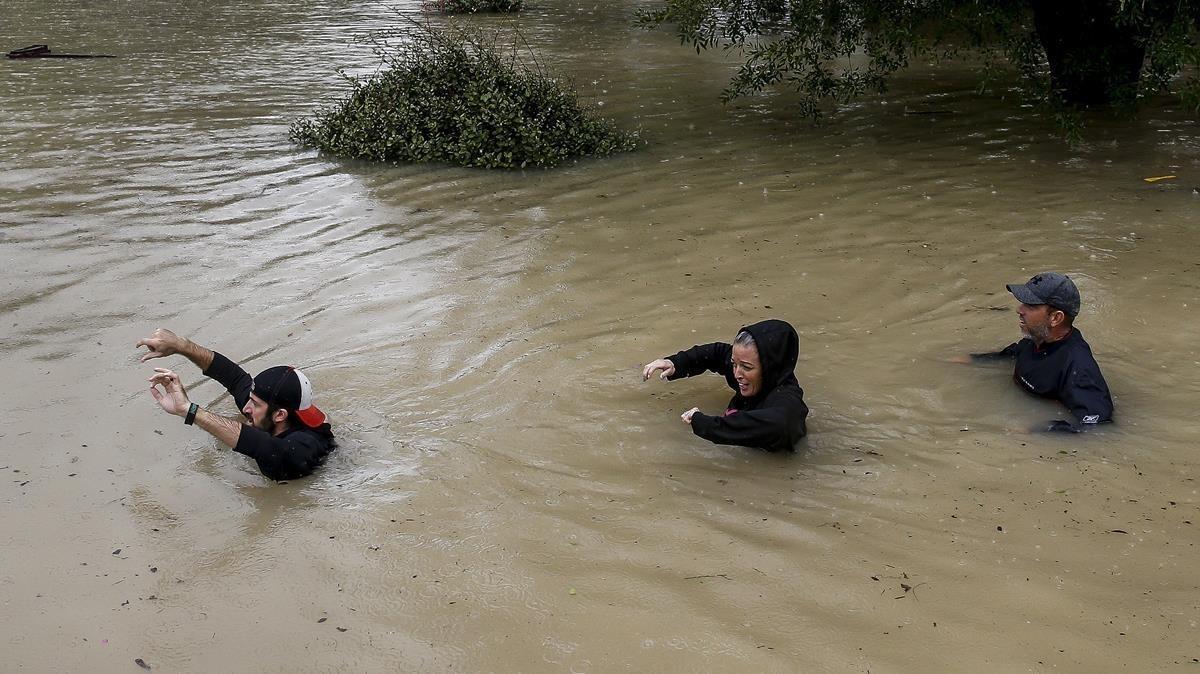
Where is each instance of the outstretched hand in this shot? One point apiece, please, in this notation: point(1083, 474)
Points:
point(687, 416)
point(162, 343)
point(667, 367)
point(173, 398)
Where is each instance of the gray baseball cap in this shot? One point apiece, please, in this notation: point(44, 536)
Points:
point(1048, 288)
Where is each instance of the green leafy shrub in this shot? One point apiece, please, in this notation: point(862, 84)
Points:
point(1077, 53)
point(451, 96)
point(473, 6)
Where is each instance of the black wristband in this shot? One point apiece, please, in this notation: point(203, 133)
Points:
point(191, 414)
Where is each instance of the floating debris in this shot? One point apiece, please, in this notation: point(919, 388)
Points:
point(41, 51)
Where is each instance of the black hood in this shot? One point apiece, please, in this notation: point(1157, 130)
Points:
point(778, 349)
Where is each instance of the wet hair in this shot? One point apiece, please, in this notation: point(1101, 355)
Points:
point(272, 408)
point(744, 338)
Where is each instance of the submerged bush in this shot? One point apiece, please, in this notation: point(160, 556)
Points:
point(450, 96)
point(473, 6)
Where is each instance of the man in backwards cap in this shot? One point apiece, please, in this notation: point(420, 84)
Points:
point(286, 434)
point(1052, 360)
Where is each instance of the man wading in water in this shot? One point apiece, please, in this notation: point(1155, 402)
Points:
point(286, 435)
point(1053, 361)
point(768, 410)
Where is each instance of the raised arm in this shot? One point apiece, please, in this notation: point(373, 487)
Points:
point(702, 358)
point(166, 343)
point(230, 375)
point(173, 399)
point(279, 458)
point(214, 365)
point(664, 367)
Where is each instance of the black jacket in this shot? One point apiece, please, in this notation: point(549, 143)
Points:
point(774, 418)
point(1064, 370)
point(294, 453)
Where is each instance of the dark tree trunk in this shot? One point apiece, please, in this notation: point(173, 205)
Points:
point(1095, 55)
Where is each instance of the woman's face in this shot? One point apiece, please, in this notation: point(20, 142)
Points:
point(747, 370)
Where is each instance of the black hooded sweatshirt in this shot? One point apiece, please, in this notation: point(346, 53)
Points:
point(293, 453)
point(774, 418)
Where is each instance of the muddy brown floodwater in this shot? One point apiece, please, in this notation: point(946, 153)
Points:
point(509, 496)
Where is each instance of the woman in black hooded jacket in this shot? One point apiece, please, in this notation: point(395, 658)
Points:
point(768, 409)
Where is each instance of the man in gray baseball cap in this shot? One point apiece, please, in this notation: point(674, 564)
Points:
point(1053, 360)
point(1051, 290)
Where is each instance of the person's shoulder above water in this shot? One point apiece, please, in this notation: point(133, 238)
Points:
point(292, 454)
point(767, 410)
point(281, 429)
point(1052, 359)
point(1077, 344)
point(1084, 390)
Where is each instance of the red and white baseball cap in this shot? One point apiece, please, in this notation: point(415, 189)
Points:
point(287, 387)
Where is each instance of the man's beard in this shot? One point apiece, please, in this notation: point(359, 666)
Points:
point(1039, 335)
point(266, 424)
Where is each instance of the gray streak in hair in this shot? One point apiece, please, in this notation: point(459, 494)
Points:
point(744, 339)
